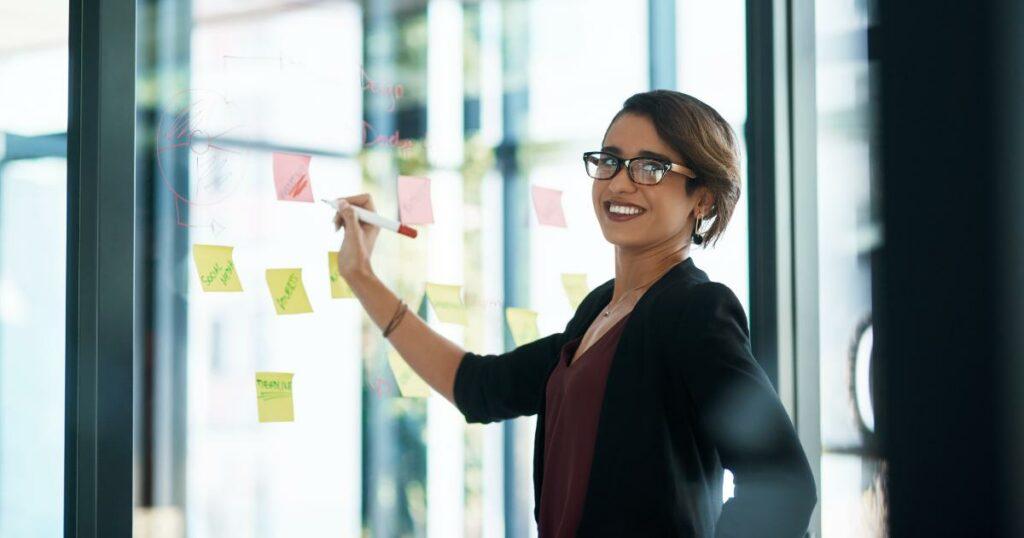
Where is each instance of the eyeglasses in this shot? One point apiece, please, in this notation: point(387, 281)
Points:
point(641, 170)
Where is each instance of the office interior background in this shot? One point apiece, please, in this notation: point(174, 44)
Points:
point(125, 392)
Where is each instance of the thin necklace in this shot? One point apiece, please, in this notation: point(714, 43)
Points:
point(609, 309)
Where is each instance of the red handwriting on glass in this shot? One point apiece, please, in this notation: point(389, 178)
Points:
point(394, 92)
point(393, 140)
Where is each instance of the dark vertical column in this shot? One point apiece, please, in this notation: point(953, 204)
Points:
point(760, 132)
point(515, 39)
point(950, 204)
point(100, 270)
point(1010, 43)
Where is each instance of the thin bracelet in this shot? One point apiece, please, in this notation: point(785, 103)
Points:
point(391, 322)
point(401, 316)
point(394, 319)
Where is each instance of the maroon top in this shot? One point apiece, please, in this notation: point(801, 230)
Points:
point(574, 395)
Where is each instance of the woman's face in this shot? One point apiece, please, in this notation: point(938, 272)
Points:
point(664, 209)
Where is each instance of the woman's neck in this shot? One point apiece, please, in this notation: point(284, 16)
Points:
point(643, 268)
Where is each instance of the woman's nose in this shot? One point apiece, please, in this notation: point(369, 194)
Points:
point(620, 182)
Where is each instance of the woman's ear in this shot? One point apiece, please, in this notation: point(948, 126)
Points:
point(705, 204)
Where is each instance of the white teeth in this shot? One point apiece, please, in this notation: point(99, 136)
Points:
point(624, 210)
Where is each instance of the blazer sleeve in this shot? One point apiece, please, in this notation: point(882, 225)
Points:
point(497, 387)
point(738, 408)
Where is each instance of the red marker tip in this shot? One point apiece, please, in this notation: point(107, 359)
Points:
point(405, 230)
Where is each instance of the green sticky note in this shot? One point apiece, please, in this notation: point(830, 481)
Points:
point(410, 384)
point(216, 268)
point(522, 322)
point(339, 288)
point(274, 397)
point(576, 288)
point(287, 291)
point(447, 302)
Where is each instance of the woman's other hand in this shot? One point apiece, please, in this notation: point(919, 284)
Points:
point(357, 246)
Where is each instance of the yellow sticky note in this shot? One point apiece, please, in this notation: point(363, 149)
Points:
point(339, 288)
point(409, 382)
point(274, 397)
point(447, 302)
point(522, 322)
point(216, 268)
point(287, 291)
point(576, 288)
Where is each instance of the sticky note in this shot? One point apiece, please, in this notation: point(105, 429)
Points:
point(576, 288)
point(410, 384)
point(522, 322)
point(548, 204)
point(216, 268)
point(339, 288)
point(447, 302)
point(414, 205)
point(274, 397)
point(287, 291)
point(291, 177)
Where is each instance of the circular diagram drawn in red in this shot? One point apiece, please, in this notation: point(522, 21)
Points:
point(196, 123)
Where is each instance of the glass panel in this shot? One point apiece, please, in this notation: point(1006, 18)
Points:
point(223, 87)
point(848, 233)
point(33, 212)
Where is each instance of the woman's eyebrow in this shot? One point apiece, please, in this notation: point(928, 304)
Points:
point(641, 153)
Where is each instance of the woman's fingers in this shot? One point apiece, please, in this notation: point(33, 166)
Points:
point(351, 221)
point(363, 200)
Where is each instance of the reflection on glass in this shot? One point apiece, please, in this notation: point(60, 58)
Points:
point(851, 495)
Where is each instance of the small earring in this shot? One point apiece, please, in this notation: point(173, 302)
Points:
point(697, 239)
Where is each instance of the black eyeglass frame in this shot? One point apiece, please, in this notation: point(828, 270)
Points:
point(667, 167)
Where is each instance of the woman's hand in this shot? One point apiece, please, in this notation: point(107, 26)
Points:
point(356, 247)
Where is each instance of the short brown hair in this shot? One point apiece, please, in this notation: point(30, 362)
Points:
point(706, 142)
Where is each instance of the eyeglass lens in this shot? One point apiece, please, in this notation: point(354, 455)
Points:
point(605, 165)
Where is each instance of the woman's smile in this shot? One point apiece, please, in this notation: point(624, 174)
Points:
point(622, 211)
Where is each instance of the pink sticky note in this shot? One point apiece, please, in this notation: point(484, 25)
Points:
point(548, 204)
point(414, 200)
point(291, 177)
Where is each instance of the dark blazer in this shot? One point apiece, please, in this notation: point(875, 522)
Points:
point(684, 399)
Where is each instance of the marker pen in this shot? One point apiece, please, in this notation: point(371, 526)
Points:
point(370, 217)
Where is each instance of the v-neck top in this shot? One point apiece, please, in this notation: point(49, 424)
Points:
point(684, 399)
point(575, 391)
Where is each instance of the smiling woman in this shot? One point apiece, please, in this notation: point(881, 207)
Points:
point(651, 391)
point(689, 146)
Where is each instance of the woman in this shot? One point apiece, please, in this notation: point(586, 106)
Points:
point(651, 389)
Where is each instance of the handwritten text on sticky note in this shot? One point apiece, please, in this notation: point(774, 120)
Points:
point(576, 288)
point(287, 291)
point(447, 302)
point(274, 397)
point(339, 288)
point(216, 268)
point(548, 204)
point(414, 205)
point(410, 384)
point(291, 177)
point(522, 323)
